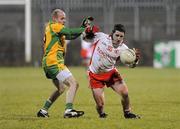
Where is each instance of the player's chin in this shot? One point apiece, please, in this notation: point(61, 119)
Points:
point(118, 42)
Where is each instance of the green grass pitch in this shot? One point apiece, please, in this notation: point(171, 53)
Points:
point(154, 94)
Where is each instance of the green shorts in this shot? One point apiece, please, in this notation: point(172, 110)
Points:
point(52, 71)
point(53, 66)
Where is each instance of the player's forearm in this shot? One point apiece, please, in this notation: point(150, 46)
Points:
point(72, 33)
point(73, 36)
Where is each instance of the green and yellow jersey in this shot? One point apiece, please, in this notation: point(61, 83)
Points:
point(55, 47)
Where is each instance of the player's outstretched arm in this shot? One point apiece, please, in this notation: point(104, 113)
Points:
point(73, 33)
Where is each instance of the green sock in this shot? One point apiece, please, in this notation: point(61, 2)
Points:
point(47, 104)
point(69, 106)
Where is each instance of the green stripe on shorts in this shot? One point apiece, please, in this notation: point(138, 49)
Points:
point(51, 71)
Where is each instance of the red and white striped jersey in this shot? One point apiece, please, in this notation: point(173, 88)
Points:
point(104, 56)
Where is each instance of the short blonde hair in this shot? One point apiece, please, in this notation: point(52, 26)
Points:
point(55, 12)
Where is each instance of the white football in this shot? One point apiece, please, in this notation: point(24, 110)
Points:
point(127, 56)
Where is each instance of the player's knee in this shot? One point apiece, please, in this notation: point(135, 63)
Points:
point(75, 84)
point(61, 89)
point(100, 104)
point(124, 91)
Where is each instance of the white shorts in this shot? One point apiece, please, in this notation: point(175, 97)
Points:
point(63, 75)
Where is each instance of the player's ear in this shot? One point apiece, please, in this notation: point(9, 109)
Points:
point(111, 35)
point(54, 19)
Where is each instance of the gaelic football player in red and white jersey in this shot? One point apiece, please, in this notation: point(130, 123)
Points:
point(102, 71)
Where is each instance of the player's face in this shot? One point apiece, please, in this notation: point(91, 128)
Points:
point(61, 18)
point(117, 37)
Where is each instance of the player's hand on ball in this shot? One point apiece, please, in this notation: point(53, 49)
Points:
point(138, 55)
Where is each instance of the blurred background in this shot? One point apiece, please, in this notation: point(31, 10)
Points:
point(153, 26)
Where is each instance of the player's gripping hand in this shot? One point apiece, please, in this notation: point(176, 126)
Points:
point(90, 31)
point(138, 56)
point(87, 22)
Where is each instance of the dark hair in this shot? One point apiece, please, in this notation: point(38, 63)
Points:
point(119, 27)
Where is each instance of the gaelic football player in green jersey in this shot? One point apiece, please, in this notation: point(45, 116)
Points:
point(53, 62)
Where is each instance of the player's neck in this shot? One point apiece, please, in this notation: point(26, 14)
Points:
point(115, 45)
